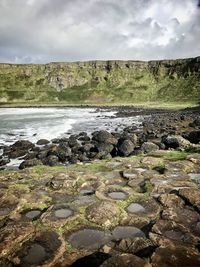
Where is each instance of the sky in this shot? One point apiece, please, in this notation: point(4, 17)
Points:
point(40, 31)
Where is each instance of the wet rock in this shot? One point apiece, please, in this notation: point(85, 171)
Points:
point(31, 155)
point(103, 213)
point(124, 260)
point(148, 147)
point(84, 138)
point(72, 142)
point(13, 154)
point(88, 239)
point(104, 137)
point(121, 232)
point(63, 213)
point(22, 145)
point(42, 142)
point(32, 214)
point(58, 215)
point(30, 163)
point(175, 256)
point(38, 251)
point(51, 160)
point(125, 148)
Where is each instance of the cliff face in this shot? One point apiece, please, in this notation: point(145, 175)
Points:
point(101, 81)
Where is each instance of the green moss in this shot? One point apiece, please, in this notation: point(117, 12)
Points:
point(41, 169)
point(135, 198)
point(111, 82)
point(93, 166)
point(176, 155)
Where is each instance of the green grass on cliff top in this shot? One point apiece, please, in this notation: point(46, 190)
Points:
point(158, 104)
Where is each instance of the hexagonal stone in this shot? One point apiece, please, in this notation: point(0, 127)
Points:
point(103, 213)
point(175, 256)
point(37, 251)
point(125, 260)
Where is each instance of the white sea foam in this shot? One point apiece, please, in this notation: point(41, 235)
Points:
point(48, 123)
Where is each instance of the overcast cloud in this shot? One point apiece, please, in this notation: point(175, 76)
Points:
point(40, 31)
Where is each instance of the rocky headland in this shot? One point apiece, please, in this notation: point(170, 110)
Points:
point(128, 198)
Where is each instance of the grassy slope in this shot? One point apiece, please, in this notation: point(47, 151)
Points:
point(101, 82)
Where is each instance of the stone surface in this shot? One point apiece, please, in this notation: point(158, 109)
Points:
point(175, 257)
point(125, 260)
point(64, 215)
point(104, 213)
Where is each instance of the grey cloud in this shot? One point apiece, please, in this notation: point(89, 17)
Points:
point(70, 30)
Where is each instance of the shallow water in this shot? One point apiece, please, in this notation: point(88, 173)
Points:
point(63, 213)
point(121, 232)
point(36, 254)
point(32, 214)
point(117, 195)
point(135, 208)
point(89, 238)
point(48, 123)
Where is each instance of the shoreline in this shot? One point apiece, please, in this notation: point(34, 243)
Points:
point(147, 105)
point(127, 186)
point(182, 128)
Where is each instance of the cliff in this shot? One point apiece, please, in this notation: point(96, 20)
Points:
point(101, 82)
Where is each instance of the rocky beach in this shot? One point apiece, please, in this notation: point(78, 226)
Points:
point(128, 196)
point(100, 133)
